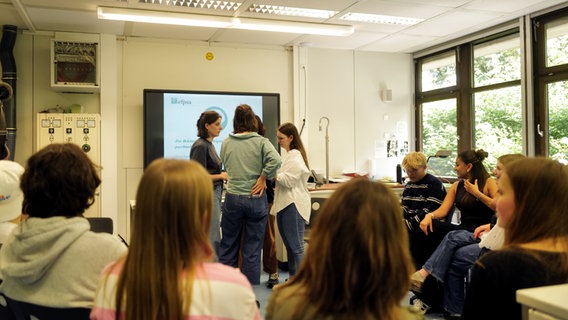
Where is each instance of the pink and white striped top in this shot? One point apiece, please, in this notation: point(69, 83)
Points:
point(219, 293)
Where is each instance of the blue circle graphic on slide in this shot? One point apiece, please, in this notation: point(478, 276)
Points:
point(220, 111)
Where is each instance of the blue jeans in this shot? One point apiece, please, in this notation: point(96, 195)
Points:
point(251, 212)
point(454, 286)
point(439, 262)
point(215, 228)
point(291, 226)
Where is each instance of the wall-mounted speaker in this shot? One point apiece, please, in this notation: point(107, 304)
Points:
point(387, 95)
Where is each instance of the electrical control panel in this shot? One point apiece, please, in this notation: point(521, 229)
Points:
point(82, 129)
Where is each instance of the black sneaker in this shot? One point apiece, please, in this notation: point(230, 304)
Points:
point(272, 280)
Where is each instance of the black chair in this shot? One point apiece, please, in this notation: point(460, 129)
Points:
point(101, 224)
point(18, 310)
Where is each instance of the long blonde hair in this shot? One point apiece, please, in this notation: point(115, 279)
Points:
point(358, 263)
point(170, 235)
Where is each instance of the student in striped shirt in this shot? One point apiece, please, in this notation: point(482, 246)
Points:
point(423, 193)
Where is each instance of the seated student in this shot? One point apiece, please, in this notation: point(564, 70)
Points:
point(168, 273)
point(457, 252)
point(10, 197)
point(357, 264)
point(472, 195)
point(422, 194)
point(52, 258)
point(533, 209)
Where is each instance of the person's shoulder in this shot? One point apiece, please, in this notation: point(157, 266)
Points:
point(295, 153)
point(200, 142)
point(431, 179)
point(491, 181)
point(104, 240)
point(506, 258)
point(215, 271)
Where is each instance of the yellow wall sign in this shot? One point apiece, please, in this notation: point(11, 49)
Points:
point(209, 56)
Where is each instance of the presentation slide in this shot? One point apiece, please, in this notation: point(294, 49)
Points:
point(182, 110)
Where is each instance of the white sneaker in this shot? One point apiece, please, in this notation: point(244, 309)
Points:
point(419, 306)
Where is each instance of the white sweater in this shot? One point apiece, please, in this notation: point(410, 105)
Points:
point(291, 185)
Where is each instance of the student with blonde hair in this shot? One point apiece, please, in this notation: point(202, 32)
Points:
point(357, 265)
point(423, 193)
point(533, 209)
point(167, 273)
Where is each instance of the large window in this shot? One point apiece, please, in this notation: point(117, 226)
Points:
point(471, 96)
point(551, 72)
point(474, 101)
point(497, 99)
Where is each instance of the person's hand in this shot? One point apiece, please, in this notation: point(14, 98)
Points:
point(259, 186)
point(426, 224)
point(481, 230)
point(472, 188)
point(224, 175)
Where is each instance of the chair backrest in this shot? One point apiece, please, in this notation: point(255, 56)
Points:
point(101, 224)
point(27, 311)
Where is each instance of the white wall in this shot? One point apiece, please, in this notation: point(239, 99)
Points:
point(155, 64)
point(341, 85)
point(345, 87)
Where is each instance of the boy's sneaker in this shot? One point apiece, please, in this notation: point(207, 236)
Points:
point(419, 306)
point(272, 280)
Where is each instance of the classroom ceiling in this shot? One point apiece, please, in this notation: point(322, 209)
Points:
point(443, 20)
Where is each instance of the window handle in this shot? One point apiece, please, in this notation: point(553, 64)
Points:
point(540, 132)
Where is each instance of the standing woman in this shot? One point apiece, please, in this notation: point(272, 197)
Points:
point(203, 151)
point(291, 198)
point(249, 160)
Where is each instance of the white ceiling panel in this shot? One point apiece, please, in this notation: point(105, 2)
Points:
point(400, 43)
point(445, 20)
point(452, 22)
point(504, 6)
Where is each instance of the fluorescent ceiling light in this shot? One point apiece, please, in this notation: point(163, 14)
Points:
point(291, 11)
point(205, 4)
point(377, 18)
point(198, 20)
point(183, 19)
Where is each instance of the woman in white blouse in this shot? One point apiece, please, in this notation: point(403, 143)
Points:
point(291, 198)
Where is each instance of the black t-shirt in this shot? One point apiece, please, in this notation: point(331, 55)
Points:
point(204, 152)
point(497, 275)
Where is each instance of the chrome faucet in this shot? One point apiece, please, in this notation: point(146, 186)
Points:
point(326, 147)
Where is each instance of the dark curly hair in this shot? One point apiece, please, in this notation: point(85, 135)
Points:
point(59, 180)
point(207, 117)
